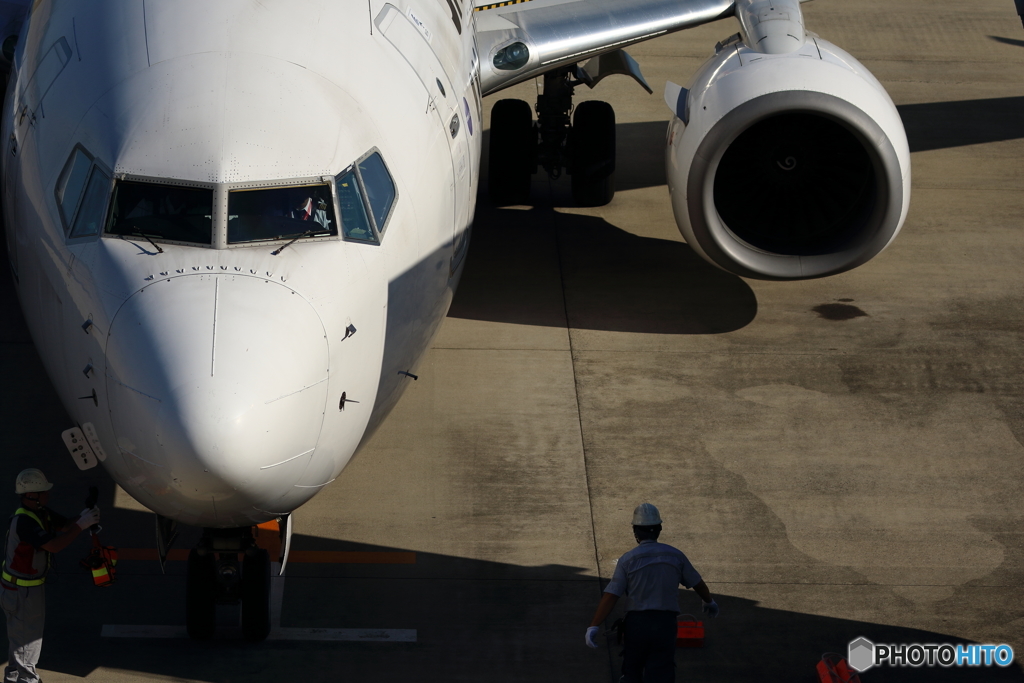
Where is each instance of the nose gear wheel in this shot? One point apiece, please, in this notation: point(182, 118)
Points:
point(215, 577)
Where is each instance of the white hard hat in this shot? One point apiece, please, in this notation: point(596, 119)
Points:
point(646, 515)
point(31, 481)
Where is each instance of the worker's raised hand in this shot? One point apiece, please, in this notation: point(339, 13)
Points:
point(710, 608)
point(591, 636)
point(88, 517)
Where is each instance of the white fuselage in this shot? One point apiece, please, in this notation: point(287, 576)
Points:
point(218, 370)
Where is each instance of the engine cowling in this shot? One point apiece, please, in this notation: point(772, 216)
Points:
point(786, 164)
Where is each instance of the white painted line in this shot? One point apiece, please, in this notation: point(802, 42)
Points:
point(362, 635)
point(277, 632)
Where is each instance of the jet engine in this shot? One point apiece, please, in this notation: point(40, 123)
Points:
point(786, 158)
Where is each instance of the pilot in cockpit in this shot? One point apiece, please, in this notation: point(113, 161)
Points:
point(314, 209)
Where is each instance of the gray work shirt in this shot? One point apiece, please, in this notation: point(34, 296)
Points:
point(649, 575)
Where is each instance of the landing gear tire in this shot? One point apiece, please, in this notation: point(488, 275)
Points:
point(513, 151)
point(256, 595)
point(592, 153)
point(200, 596)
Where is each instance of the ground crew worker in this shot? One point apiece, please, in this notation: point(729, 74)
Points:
point(649, 575)
point(34, 533)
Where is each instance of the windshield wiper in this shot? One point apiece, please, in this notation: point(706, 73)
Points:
point(295, 238)
point(138, 233)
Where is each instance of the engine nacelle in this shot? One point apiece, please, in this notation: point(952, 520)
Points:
point(785, 164)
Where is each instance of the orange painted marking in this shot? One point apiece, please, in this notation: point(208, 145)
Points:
point(268, 537)
point(296, 556)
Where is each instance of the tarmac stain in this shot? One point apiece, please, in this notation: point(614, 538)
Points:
point(838, 311)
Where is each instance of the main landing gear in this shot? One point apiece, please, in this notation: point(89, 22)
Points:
point(581, 141)
point(217, 577)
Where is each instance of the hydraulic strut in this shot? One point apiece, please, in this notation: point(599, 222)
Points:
point(554, 118)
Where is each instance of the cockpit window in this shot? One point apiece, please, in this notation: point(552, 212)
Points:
point(356, 204)
point(354, 220)
point(170, 212)
point(71, 184)
point(91, 212)
point(380, 188)
point(260, 214)
point(82, 191)
point(366, 195)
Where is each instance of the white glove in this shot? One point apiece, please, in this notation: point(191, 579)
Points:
point(710, 609)
point(591, 635)
point(88, 517)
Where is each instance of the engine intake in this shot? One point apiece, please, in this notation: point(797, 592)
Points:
point(791, 166)
point(793, 185)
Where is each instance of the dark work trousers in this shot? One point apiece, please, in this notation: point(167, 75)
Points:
point(650, 653)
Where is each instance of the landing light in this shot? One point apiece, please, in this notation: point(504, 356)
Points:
point(512, 57)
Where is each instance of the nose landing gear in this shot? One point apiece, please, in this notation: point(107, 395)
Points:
point(256, 595)
point(581, 142)
point(201, 595)
point(216, 577)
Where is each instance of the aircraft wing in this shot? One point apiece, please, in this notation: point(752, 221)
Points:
point(559, 32)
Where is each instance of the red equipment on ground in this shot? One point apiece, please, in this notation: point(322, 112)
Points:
point(102, 562)
point(689, 633)
point(834, 669)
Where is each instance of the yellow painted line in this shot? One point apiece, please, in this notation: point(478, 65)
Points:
point(296, 556)
point(495, 5)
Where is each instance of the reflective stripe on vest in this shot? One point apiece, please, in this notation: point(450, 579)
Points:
point(17, 580)
point(32, 515)
point(22, 582)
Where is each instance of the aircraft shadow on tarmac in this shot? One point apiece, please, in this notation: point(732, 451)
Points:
point(536, 267)
point(940, 125)
point(475, 621)
point(640, 155)
point(1008, 41)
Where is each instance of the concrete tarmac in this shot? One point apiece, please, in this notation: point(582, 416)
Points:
point(839, 458)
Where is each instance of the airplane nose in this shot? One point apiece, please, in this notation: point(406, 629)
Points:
point(217, 386)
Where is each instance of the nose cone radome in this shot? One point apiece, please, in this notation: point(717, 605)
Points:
point(217, 387)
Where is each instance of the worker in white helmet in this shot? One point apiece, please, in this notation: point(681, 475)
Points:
point(649, 575)
point(34, 533)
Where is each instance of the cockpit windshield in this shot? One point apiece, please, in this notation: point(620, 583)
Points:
point(355, 205)
point(170, 212)
point(261, 214)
